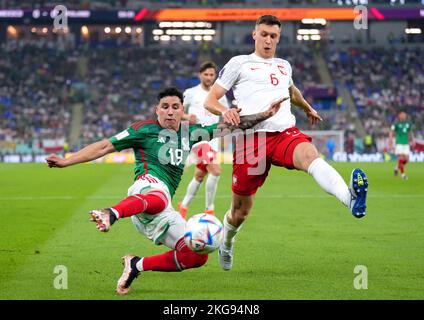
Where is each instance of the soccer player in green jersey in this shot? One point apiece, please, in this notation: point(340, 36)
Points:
point(402, 131)
point(161, 147)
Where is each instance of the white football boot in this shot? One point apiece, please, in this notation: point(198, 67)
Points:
point(103, 218)
point(225, 258)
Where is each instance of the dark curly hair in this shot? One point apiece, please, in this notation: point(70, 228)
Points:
point(170, 92)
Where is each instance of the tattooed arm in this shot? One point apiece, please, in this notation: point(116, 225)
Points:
point(251, 120)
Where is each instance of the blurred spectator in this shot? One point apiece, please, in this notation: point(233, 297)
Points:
point(368, 143)
point(42, 81)
point(382, 81)
point(330, 148)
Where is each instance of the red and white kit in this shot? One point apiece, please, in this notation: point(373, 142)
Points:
point(256, 83)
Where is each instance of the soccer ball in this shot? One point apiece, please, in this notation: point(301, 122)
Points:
point(203, 233)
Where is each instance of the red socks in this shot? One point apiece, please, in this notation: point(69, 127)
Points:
point(175, 260)
point(401, 165)
point(160, 262)
point(151, 203)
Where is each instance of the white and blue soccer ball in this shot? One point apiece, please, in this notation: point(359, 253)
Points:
point(203, 233)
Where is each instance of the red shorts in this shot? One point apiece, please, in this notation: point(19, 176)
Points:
point(204, 155)
point(255, 153)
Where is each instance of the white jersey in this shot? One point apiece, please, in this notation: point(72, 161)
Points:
point(194, 99)
point(256, 83)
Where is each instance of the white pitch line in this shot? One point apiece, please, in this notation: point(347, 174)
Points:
point(31, 198)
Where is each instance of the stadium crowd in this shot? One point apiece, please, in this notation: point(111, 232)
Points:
point(42, 81)
point(35, 95)
point(382, 81)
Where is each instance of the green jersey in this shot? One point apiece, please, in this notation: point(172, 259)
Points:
point(161, 152)
point(401, 129)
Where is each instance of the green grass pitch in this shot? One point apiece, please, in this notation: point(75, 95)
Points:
point(298, 243)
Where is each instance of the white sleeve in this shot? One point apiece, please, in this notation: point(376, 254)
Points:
point(229, 74)
point(187, 100)
point(224, 101)
point(290, 70)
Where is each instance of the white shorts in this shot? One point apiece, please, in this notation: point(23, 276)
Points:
point(166, 227)
point(402, 149)
point(215, 144)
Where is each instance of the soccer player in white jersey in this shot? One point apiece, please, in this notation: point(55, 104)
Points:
point(204, 152)
point(256, 80)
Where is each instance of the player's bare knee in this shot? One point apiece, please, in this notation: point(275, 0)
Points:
point(199, 176)
point(239, 215)
point(309, 155)
point(241, 207)
point(214, 170)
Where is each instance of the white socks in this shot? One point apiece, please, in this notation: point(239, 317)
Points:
point(229, 232)
point(192, 189)
point(115, 212)
point(211, 184)
point(139, 265)
point(330, 180)
point(210, 188)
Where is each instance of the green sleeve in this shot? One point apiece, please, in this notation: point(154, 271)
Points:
point(202, 133)
point(129, 138)
point(211, 128)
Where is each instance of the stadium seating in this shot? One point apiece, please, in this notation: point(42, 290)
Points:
point(382, 81)
point(42, 81)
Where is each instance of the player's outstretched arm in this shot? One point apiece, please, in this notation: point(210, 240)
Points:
point(88, 153)
point(298, 100)
point(212, 104)
point(251, 120)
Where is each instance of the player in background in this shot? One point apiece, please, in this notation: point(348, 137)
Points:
point(160, 147)
point(204, 152)
point(402, 130)
point(256, 80)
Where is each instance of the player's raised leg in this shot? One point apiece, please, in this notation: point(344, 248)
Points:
point(214, 171)
point(152, 202)
point(306, 158)
point(179, 258)
point(250, 169)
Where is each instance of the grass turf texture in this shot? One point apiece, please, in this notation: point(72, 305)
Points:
point(298, 243)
